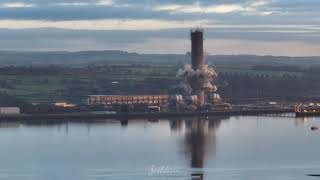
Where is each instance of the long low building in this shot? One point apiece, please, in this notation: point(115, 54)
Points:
point(9, 110)
point(158, 100)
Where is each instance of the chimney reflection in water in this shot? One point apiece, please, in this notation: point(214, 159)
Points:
point(199, 139)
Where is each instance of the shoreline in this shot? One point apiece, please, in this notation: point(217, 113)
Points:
point(90, 116)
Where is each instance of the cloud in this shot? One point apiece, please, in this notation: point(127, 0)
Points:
point(82, 11)
point(73, 4)
point(105, 2)
point(196, 8)
point(105, 24)
point(226, 11)
point(258, 3)
point(250, 7)
point(126, 23)
point(16, 5)
point(100, 2)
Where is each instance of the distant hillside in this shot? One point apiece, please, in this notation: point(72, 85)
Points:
point(122, 57)
point(81, 58)
point(252, 60)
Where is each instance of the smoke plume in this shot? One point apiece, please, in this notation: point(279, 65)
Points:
point(197, 79)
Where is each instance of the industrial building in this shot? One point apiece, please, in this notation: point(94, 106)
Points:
point(9, 110)
point(151, 100)
point(199, 77)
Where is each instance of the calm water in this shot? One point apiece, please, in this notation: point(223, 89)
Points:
point(218, 148)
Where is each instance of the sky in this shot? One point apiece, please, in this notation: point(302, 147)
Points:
point(261, 27)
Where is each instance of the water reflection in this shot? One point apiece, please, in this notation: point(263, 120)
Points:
point(9, 125)
point(188, 148)
point(124, 123)
point(304, 120)
point(200, 139)
point(300, 121)
point(197, 143)
point(176, 125)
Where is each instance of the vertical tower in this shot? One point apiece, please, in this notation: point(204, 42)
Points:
point(197, 49)
point(197, 58)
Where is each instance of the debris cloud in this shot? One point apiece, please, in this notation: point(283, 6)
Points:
point(194, 80)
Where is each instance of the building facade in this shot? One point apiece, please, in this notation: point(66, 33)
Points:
point(155, 100)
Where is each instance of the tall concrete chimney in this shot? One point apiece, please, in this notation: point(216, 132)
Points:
point(197, 49)
point(197, 58)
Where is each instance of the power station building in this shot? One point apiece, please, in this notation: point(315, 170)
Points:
point(151, 100)
point(199, 86)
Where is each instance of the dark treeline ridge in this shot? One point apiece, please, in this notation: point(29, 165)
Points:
point(95, 69)
point(287, 68)
point(47, 84)
point(242, 87)
point(31, 70)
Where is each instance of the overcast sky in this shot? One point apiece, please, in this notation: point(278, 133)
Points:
point(263, 27)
